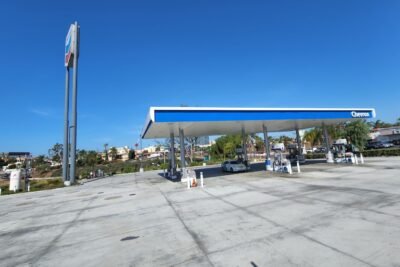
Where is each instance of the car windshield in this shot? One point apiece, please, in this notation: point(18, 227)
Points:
point(234, 162)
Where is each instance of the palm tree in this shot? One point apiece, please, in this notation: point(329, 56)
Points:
point(106, 151)
point(314, 136)
point(113, 153)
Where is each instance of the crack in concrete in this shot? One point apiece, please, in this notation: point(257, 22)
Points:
point(292, 230)
point(50, 246)
point(194, 236)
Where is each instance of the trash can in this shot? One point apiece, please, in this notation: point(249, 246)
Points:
point(15, 180)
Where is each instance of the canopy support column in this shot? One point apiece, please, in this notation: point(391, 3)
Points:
point(172, 156)
point(244, 148)
point(299, 146)
point(268, 165)
point(329, 158)
point(182, 149)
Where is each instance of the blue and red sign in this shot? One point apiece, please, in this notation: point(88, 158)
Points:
point(69, 46)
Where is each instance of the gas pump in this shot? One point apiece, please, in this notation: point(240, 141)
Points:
point(241, 157)
point(343, 152)
point(295, 155)
point(281, 163)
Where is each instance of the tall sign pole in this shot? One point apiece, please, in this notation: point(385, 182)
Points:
point(71, 60)
point(74, 104)
point(66, 127)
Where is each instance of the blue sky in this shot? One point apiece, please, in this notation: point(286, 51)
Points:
point(137, 54)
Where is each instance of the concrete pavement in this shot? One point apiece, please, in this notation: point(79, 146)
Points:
point(328, 215)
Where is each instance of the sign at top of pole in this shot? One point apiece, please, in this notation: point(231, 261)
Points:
point(70, 48)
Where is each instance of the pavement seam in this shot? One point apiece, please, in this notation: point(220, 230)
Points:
point(194, 236)
point(50, 246)
point(293, 231)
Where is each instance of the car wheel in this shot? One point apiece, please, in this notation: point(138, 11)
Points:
point(231, 169)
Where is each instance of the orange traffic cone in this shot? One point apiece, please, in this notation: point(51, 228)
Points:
point(194, 184)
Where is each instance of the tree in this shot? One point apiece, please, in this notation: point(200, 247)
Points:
point(113, 153)
point(229, 149)
point(82, 157)
point(381, 124)
point(357, 133)
point(106, 151)
point(314, 136)
point(39, 160)
point(258, 142)
point(2, 162)
point(192, 141)
point(220, 148)
point(285, 140)
point(336, 131)
point(132, 154)
point(56, 152)
point(91, 158)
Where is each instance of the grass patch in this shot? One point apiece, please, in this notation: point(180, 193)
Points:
point(35, 185)
point(38, 185)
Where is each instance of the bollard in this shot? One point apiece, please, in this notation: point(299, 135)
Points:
point(268, 165)
point(352, 159)
point(298, 167)
point(361, 159)
point(289, 167)
point(29, 187)
point(329, 157)
point(188, 182)
point(201, 179)
point(0, 190)
point(164, 172)
point(356, 159)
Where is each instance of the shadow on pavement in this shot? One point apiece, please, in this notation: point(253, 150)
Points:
point(215, 171)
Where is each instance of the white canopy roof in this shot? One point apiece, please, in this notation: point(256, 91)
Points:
point(204, 121)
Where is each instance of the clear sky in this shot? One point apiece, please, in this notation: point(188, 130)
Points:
point(137, 54)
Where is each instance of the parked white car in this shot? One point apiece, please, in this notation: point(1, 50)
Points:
point(278, 146)
point(233, 166)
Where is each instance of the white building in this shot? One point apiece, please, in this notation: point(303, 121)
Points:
point(389, 134)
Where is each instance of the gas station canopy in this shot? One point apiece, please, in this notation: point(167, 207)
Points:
point(161, 122)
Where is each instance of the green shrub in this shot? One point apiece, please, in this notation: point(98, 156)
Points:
point(196, 163)
point(37, 185)
point(56, 172)
point(315, 156)
point(42, 169)
point(381, 152)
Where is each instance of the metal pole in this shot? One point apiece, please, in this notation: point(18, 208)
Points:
point(182, 149)
point(141, 155)
point(74, 106)
point(66, 127)
point(172, 144)
point(267, 149)
point(244, 144)
point(326, 136)
point(298, 140)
